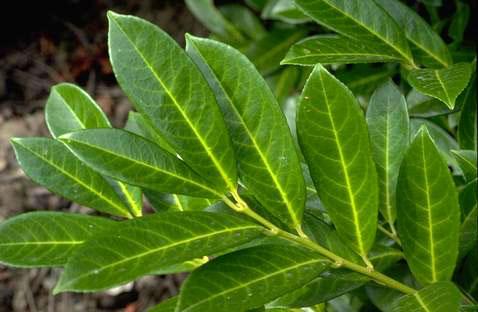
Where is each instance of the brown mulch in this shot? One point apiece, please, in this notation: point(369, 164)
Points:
point(69, 46)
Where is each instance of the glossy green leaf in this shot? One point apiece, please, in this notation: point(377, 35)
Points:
point(37, 239)
point(334, 140)
point(469, 218)
point(137, 124)
point(467, 161)
point(267, 52)
point(244, 20)
point(212, 19)
point(69, 108)
point(249, 278)
point(50, 163)
point(128, 157)
point(427, 46)
point(173, 95)
point(467, 126)
point(168, 305)
point(387, 120)
point(268, 164)
point(444, 84)
point(145, 245)
point(438, 297)
point(360, 20)
point(173, 202)
point(428, 214)
point(421, 105)
point(332, 49)
point(284, 10)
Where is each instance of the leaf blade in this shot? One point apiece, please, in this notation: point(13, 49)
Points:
point(438, 297)
point(351, 197)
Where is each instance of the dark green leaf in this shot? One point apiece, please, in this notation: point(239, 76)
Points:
point(249, 278)
point(469, 218)
point(467, 161)
point(146, 245)
point(360, 20)
point(459, 22)
point(438, 297)
point(332, 49)
point(467, 126)
point(363, 79)
point(427, 46)
point(37, 239)
point(421, 105)
point(50, 163)
point(388, 126)
point(468, 276)
point(444, 84)
point(173, 95)
point(333, 137)
point(428, 212)
point(127, 157)
point(268, 163)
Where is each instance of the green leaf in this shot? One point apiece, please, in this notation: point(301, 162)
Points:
point(467, 126)
point(173, 202)
point(128, 157)
point(421, 105)
point(333, 137)
point(459, 22)
point(137, 124)
point(50, 163)
point(244, 20)
point(332, 49)
point(444, 84)
point(467, 161)
point(363, 79)
point(360, 20)
point(427, 46)
point(69, 108)
point(284, 10)
point(438, 297)
point(38, 239)
point(268, 163)
point(173, 95)
point(148, 244)
point(428, 214)
point(468, 276)
point(168, 305)
point(249, 278)
point(387, 120)
point(212, 19)
point(469, 218)
point(267, 52)
point(283, 84)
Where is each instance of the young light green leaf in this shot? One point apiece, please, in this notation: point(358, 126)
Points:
point(268, 163)
point(173, 95)
point(333, 137)
point(145, 245)
point(444, 84)
point(467, 161)
point(332, 49)
point(284, 10)
point(69, 108)
point(427, 46)
point(137, 124)
point(428, 214)
point(467, 126)
point(38, 239)
point(249, 278)
point(469, 218)
point(437, 297)
point(128, 157)
point(50, 163)
point(267, 52)
point(361, 20)
point(211, 17)
point(387, 120)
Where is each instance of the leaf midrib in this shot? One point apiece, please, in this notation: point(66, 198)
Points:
point(437, 75)
point(164, 247)
point(27, 243)
point(421, 302)
point(356, 222)
point(99, 194)
point(253, 281)
point(201, 140)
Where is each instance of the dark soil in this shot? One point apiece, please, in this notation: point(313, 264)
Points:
point(52, 42)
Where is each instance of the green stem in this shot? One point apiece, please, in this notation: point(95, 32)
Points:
point(392, 235)
point(303, 240)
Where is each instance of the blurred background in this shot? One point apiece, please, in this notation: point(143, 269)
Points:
point(43, 43)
